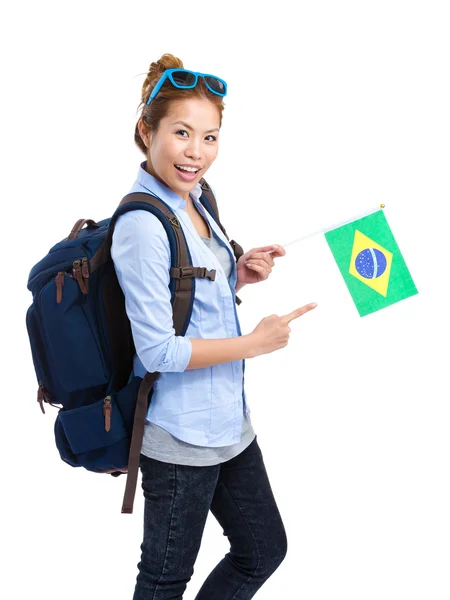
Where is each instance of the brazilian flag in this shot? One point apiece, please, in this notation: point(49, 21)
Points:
point(371, 263)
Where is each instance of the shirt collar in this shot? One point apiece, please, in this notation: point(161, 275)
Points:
point(161, 190)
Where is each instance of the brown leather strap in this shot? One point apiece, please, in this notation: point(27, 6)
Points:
point(136, 441)
point(79, 226)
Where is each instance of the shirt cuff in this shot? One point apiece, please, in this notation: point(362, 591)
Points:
point(178, 355)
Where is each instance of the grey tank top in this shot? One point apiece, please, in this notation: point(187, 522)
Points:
point(162, 445)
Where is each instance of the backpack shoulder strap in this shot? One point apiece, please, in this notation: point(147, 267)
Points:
point(182, 272)
point(211, 206)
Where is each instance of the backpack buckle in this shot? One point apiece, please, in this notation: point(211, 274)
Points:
point(205, 274)
point(190, 272)
point(186, 272)
point(175, 222)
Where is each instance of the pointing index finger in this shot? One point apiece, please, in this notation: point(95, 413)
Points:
point(298, 312)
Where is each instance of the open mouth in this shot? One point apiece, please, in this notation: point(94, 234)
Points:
point(190, 170)
point(187, 174)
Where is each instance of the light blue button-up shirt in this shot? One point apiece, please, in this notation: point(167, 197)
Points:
point(205, 406)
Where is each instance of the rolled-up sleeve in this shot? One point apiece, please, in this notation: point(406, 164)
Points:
point(141, 254)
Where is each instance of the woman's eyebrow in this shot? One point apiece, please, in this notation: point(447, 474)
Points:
point(189, 127)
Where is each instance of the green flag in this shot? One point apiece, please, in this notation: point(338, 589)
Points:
point(371, 263)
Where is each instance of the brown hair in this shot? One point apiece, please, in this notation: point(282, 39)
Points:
point(160, 105)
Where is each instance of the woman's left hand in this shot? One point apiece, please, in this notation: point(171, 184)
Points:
point(256, 264)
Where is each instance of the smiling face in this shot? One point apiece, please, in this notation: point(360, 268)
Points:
point(185, 144)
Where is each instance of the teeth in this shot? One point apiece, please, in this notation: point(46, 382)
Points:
point(190, 169)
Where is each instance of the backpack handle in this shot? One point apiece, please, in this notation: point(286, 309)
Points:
point(79, 226)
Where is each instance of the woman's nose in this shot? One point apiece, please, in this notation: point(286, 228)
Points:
point(193, 149)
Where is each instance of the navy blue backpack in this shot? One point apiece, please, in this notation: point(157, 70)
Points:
point(81, 341)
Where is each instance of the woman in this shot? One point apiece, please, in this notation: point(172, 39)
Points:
point(199, 451)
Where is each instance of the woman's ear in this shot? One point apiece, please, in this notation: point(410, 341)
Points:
point(145, 136)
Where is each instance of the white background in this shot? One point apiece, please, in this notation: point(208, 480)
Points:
point(333, 107)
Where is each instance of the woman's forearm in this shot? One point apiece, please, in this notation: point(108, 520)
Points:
point(206, 353)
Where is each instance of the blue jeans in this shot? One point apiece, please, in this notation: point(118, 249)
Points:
point(177, 501)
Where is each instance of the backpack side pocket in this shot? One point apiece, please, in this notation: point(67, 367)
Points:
point(97, 436)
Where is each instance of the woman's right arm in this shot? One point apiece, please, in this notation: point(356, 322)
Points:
point(141, 256)
point(271, 333)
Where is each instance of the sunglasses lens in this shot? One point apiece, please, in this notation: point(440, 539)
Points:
point(216, 85)
point(183, 78)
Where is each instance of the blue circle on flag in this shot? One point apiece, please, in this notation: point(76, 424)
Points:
point(370, 263)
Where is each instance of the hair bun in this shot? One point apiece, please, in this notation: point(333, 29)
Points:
point(155, 70)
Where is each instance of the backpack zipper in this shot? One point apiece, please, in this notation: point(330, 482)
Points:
point(44, 396)
point(40, 395)
point(59, 282)
point(77, 274)
point(107, 410)
point(85, 272)
point(80, 273)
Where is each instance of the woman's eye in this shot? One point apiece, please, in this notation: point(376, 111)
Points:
point(181, 131)
point(213, 138)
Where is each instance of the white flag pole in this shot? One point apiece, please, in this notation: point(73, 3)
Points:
point(331, 227)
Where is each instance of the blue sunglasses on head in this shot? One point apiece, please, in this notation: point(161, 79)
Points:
point(183, 79)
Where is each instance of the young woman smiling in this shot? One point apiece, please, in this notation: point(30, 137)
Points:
point(199, 451)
